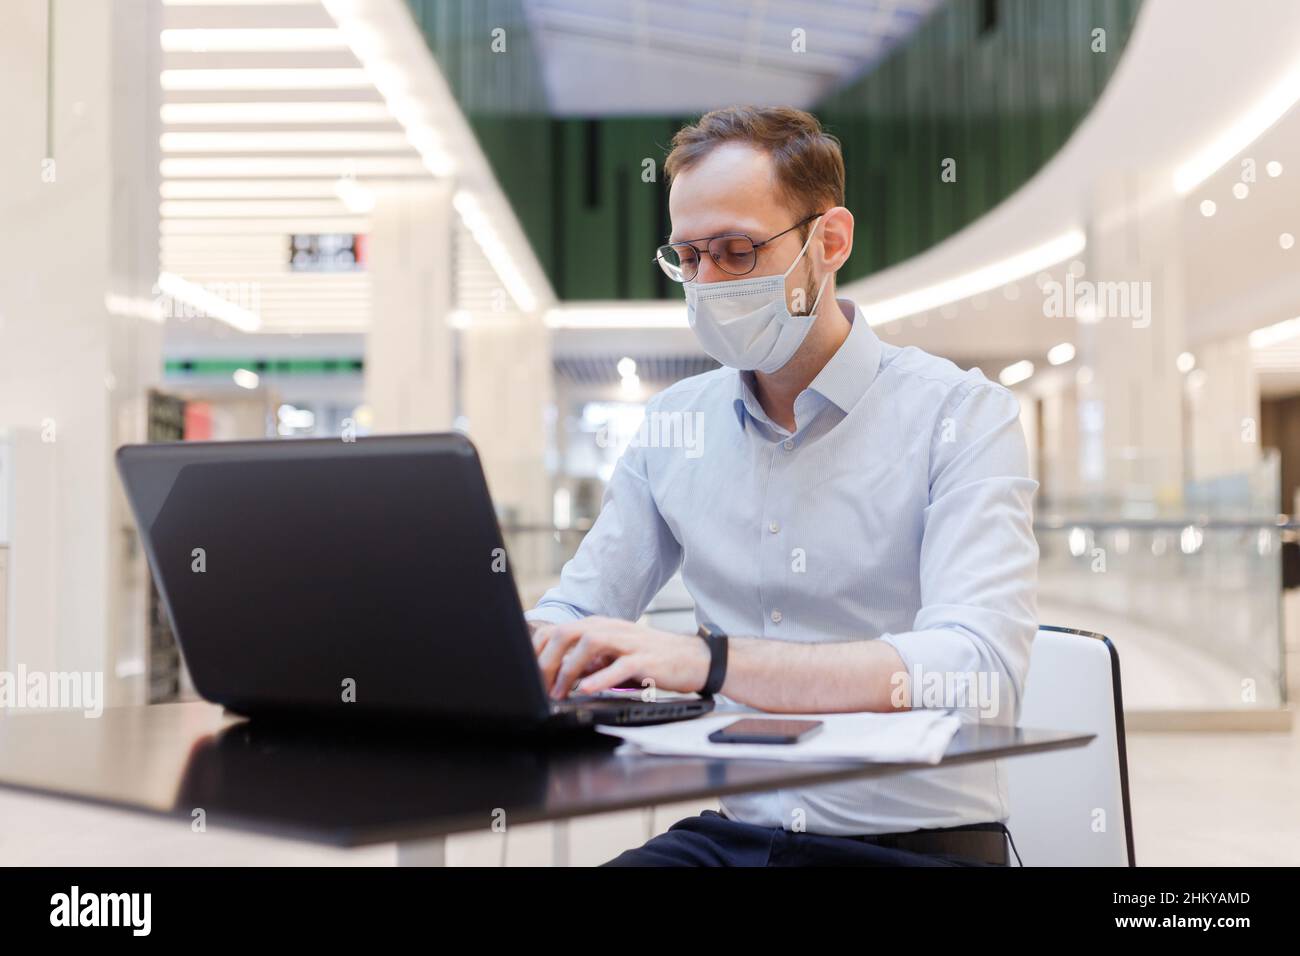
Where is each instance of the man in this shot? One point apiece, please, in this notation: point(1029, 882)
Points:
point(857, 519)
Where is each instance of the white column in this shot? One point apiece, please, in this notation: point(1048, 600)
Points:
point(506, 391)
point(1129, 403)
point(1223, 410)
point(79, 208)
point(409, 349)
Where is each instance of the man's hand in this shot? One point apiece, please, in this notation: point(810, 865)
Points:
point(605, 652)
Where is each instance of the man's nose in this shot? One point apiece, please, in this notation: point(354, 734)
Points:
point(709, 271)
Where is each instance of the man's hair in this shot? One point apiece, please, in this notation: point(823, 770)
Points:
point(806, 160)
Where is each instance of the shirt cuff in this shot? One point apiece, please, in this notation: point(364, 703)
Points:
point(952, 654)
point(551, 614)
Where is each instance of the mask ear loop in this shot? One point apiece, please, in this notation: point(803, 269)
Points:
point(825, 279)
point(820, 289)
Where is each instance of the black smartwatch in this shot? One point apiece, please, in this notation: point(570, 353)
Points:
point(717, 642)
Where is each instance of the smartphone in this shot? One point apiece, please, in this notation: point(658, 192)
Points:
point(765, 730)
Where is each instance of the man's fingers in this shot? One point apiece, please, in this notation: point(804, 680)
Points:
point(572, 666)
point(541, 635)
point(589, 653)
point(616, 673)
point(559, 639)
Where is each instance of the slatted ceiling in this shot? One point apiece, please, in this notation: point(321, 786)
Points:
point(712, 51)
point(238, 182)
point(478, 290)
point(191, 16)
point(345, 95)
point(259, 60)
point(602, 369)
point(253, 227)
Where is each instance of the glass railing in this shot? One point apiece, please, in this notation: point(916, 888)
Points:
point(1193, 605)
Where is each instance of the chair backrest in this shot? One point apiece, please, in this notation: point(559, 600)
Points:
point(1071, 807)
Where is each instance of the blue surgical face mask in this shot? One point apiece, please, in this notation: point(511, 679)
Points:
point(745, 323)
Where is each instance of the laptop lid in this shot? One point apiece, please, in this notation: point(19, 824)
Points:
point(299, 573)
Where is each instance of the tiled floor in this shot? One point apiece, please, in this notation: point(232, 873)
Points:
point(1216, 799)
point(1198, 800)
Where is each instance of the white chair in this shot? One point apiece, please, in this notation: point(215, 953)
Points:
point(1071, 807)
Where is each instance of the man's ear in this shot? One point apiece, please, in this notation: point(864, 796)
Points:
point(837, 237)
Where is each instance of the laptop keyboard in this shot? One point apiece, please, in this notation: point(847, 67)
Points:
point(588, 701)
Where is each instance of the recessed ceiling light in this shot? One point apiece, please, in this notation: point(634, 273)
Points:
point(1060, 354)
point(984, 279)
point(323, 78)
point(216, 167)
point(207, 40)
point(363, 111)
point(310, 141)
point(246, 378)
point(1016, 372)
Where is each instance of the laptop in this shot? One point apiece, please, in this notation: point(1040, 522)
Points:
point(321, 578)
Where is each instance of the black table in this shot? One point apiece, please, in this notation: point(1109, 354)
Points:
point(353, 788)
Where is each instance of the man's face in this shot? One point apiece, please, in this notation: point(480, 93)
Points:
point(733, 190)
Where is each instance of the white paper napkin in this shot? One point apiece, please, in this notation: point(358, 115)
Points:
point(915, 736)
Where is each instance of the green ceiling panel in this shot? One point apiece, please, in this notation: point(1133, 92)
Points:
point(997, 85)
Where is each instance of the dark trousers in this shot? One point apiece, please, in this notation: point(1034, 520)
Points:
point(714, 840)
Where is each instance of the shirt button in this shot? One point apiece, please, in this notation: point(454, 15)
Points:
point(776, 617)
point(788, 443)
point(773, 527)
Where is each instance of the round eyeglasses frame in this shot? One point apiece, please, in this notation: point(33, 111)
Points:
point(716, 251)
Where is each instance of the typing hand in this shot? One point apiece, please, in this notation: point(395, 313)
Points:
point(604, 652)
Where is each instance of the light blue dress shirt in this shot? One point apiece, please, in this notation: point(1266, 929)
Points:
point(899, 509)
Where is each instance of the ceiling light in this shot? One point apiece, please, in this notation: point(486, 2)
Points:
point(133, 306)
point(252, 40)
point(248, 208)
point(327, 78)
point(485, 235)
point(1185, 362)
point(356, 197)
point(239, 3)
point(245, 378)
point(248, 228)
point(1248, 127)
point(1060, 354)
point(216, 167)
point(180, 114)
point(246, 189)
point(984, 279)
point(1016, 372)
point(312, 141)
point(208, 302)
point(1273, 334)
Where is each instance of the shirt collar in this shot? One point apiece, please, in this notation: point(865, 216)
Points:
point(842, 381)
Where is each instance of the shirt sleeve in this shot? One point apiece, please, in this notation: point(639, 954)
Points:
point(979, 557)
point(624, 559)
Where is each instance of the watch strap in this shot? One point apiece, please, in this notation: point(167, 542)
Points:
point(717, 642)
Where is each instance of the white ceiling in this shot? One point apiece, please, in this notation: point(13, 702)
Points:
point(685, 56)
point(1166, 100)
point(243, 168)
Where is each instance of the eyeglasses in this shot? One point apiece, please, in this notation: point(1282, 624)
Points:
point(734, 254)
